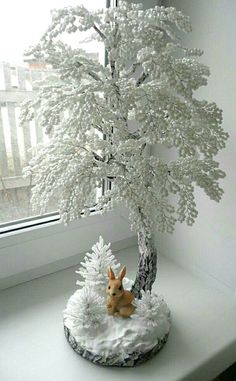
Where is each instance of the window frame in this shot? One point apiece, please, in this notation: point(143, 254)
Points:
point(51, 246)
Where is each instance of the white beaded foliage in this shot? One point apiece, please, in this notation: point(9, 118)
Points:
point(149, 81)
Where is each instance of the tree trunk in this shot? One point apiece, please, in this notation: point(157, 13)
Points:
point(147, 266)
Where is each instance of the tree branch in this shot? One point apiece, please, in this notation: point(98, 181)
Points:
point(91, 73)
point(142, 79)
point(133, 68)
point(113, 68)
point(96, 156)
point(102, 35)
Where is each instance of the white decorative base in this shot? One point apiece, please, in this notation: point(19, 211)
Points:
point(119, 341)
point(131, 359)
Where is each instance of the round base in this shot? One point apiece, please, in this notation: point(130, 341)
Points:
point(113, 340)
point(133, 359)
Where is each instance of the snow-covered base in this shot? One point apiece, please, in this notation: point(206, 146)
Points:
point(131, 359)
point(119, 341)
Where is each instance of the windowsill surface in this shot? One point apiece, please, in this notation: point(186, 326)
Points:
point(202, 341)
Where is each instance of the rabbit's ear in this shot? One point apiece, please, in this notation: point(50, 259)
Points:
point(110, 273)
point(122, 273)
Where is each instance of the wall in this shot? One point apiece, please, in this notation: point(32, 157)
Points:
point(209, 247)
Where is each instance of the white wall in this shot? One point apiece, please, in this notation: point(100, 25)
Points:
point(209, 247)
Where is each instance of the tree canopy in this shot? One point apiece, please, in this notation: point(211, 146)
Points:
point(143, 96)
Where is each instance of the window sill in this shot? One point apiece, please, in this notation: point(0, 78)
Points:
point(201, 345)
point(29, 253)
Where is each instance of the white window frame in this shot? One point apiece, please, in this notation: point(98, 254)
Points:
point(50, 246)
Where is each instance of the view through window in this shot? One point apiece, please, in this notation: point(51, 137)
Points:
point(22, 23)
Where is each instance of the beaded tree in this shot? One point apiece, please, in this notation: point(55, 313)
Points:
point(143, 96)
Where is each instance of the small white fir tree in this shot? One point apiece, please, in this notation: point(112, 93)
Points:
point(85, 312)
point(151, 308)
point(94, 268)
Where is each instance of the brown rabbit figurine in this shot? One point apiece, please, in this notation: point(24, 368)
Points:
point(118, 300)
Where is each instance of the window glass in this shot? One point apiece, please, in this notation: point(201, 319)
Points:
point(22, 23)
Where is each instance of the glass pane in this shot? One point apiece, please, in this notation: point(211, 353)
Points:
point(18, 81)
